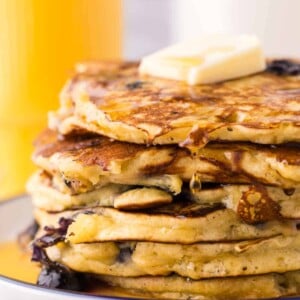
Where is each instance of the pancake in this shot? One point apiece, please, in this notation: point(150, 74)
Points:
point(175, 287)
point(194, 261)
point(180, 222)
point(84, 162)
point(265, 202)
point(182, 192)
point(253, 203)
point(47, 197)
point(112, 99)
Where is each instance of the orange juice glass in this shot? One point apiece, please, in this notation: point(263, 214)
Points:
point(40, 42)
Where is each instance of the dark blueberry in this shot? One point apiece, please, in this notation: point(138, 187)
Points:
point(68, 183)
point(54, 275)
point(39, 255)
point(50, 240)
point(294, 70)
point(284, 67)
point(64, 224)
point(89, 212)
point(53, 236)
point(134, 85)
point(59, 277)
point(289, 192)
point(124, 254)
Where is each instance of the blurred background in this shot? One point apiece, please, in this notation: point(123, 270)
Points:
point(152, 24)
point(42, 39)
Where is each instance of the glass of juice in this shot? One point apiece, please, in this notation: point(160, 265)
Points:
point(40, 42)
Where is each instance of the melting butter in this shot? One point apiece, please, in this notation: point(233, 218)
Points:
point(209, 59)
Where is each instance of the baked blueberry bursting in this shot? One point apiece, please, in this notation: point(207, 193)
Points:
point(53, 274)
point(284, 67)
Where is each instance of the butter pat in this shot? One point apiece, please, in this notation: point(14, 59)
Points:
point(208, 59)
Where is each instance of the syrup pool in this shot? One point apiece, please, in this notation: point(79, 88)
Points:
point(16, 264)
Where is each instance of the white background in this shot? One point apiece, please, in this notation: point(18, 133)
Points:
point(152, 24)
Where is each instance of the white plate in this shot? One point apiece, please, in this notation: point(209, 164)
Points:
point(15, 215)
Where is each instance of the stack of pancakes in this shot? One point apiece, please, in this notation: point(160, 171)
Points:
point(184, 192)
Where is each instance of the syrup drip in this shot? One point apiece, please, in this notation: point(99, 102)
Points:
point(195, 183)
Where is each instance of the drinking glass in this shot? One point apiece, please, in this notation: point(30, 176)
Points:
point(40, 42)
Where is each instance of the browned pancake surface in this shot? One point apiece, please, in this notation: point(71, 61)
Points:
point(217, 162)
point(262, 101)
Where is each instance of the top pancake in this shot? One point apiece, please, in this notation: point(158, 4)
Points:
point(112, 99)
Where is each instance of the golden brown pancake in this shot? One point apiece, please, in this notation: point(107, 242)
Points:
point(85, 162)
point(179, 222)
point(45, 196)
point(112, 99)
point(252, 203)
point(176, 287)
point(197, 261)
